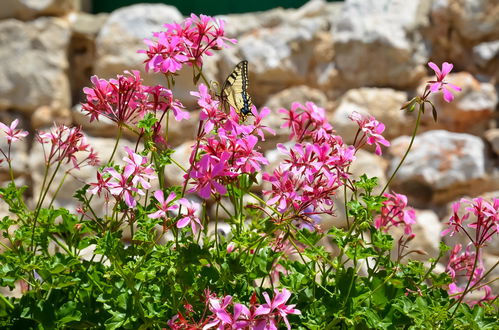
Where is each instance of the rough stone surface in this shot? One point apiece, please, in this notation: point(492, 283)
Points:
point(459, 26)
point(438, 171)
point(279, 57)
point(82, 52)
point(36, 75)
point(381, 32)
point(29, 9)
point(492, 136)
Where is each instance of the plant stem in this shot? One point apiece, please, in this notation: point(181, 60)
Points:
point(407, 151)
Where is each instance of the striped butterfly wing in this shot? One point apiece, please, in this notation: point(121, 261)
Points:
point(235, 90)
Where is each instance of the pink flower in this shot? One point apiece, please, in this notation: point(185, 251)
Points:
point(164, 205)
point(184, 43)
point(206, 173)
point(11, 132)
point(138, 169)
point(486, 224)
point(440, 84)
point(395, 213)
point(460, 269)
point(371, 129)
point(161, 99)
point(121, 186)
point(64, 143)
point(122, 100)
point(278, 306)
point(191, 217)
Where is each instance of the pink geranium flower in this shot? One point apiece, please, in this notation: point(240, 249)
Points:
point(371, 129)
point(191, 217)
point(395, 212)
point(440, 84)
point(164, 205)
point(13, 134)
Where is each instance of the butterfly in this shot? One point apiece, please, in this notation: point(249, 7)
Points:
point(235, 90)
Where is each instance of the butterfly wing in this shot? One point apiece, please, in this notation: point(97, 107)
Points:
point(235, 89)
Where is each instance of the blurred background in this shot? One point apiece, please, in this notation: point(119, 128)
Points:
point(368, 56)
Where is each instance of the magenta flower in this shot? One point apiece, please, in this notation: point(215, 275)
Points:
point(275, 306)
point(191, 217)
point(461, 270)
point(164, 205)
point(395, 213)
point(122, 100)
point(306, 181)
point(121, 186)
point(206, 174)
point(440, 84)
point(161, 99)
point(138, 169)
point(13, 134)
point(307, 121)
point(64, 143)
point(371, 129)
point(167, 54)
point(485, 226)
point(184, 43)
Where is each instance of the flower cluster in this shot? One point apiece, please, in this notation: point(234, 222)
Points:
point(370, 130)
point(125, 99)
point(314, 168)
point(395, 212)
point(467, 267)
point(264, 316)
point(184, 43)
point(127, 182)
point(65, 144)
point(486, 223)
point(227, 147)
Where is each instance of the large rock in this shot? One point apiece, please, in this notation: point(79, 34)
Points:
point(492, 136)
point(33, 64)
point(486, 58)
point(81, 52)
point(471, 111)
point(379, 43)
point(279, 56)
point(382, 103)
point(29, 9)
point(461, 30)
point(441, 166)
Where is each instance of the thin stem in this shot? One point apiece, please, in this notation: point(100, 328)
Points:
point(475, 263)
point(120, 132)
point(407, 151)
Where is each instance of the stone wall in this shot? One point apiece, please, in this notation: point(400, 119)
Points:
point(363, 55)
